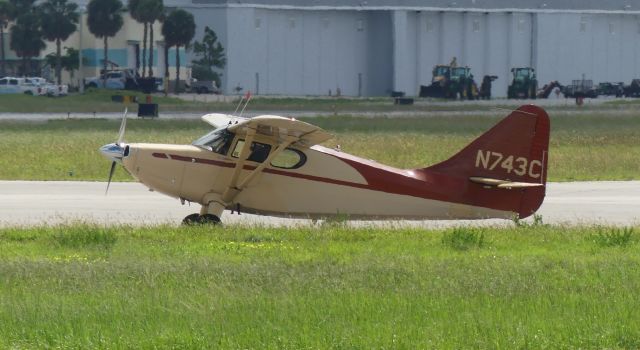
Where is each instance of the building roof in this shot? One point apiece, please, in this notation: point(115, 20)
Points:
point(594, 6)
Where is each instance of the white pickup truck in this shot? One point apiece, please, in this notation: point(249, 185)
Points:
point(50, 89)
point(11, 85)
point(31, 86)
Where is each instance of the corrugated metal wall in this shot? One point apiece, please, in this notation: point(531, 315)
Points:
point(308, 52)
point(371, 53)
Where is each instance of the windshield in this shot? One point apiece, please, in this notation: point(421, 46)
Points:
point(459, 72)
point(441, 70)
point(217, 141)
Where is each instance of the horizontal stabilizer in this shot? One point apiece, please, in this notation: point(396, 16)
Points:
point(503, 183)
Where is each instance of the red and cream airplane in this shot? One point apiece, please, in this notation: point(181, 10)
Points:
point(274, 165)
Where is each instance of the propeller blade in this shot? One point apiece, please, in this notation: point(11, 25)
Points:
point(123, 125)
point(113, 169)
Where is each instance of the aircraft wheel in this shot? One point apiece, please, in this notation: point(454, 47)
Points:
point(191, 219)
point(209, 219)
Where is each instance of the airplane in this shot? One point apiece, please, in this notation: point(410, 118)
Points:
point(274, 165)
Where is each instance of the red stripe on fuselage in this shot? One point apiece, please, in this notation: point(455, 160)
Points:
point(381, 178)
point(268, 170)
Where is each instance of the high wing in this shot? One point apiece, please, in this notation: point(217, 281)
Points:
point(280, 129)
point(218, 120)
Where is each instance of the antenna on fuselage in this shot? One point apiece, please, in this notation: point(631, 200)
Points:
point(247, 96)
point(238, 106)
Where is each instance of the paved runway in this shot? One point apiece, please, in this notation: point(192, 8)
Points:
point(26, 203)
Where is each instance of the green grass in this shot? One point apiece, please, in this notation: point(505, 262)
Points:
point(99, 100)
point(92, 101)
point(589, 147)
point(325, 287)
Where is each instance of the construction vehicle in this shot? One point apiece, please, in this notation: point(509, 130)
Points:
point(632, 90)
point(485, 87)
point(524, 83)
point(451, 82)
point(548, 88)
point(439, 83)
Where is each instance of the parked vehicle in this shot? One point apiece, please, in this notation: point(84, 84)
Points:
point(49, 88)
point(124, 79)
point(633, 89)
point(580, 88)
point(204, 87)
point(11, 85)
point(451, 82)
point(524, 83)
point(548, 88)
point(118, 79)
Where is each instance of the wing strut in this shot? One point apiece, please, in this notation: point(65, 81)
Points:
point(234, 188)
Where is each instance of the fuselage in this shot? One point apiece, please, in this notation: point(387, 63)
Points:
point(327, 183)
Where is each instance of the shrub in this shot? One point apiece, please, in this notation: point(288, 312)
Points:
point(464, 238)
point(613, 236)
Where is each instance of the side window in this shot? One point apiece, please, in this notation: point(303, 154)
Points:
point(3, 81)
point(13, 82)
point(259, 151)
point(289, 159)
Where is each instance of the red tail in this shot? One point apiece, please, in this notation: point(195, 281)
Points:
point(507, 165)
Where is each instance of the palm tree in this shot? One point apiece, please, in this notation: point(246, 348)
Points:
point(150, 11)
point(59, 19)
point(26, 39)
point(135, 12)
point(105, 20)
point(178, 29)
point(7, 14)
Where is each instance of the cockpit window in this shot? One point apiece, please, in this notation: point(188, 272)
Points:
point(289, 158)
point(259, 151)
point(217, 141)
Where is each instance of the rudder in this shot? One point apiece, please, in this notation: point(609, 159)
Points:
point(512, 157)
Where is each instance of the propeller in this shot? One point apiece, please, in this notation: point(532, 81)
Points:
point(115, 151)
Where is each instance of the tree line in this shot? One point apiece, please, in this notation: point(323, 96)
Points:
point(56, 20)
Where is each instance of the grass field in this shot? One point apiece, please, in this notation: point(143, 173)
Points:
point(324, 287)
point(589, 147)
point(100, 101)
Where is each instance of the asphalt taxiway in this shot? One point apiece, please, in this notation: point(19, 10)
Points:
point(29, 203)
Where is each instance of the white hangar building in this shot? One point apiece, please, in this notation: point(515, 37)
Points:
point(373, 47)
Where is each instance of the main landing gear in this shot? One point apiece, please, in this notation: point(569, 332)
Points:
point(210, 212)
point(197, 219)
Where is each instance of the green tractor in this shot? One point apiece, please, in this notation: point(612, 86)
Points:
point(450, 82)
point(524, 84)
point(462, 84)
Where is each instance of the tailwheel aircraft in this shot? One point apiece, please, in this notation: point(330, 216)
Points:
point(274, 165)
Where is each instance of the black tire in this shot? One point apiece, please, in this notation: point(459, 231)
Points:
point(197, 219)
point(28, 93)
point(209, 219)
point(92, 86)
point(191, 220)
